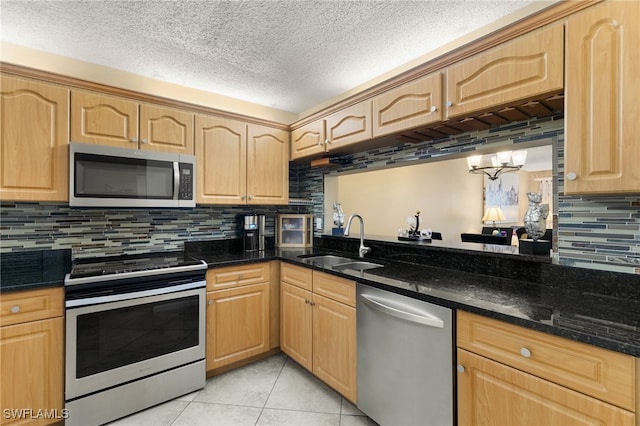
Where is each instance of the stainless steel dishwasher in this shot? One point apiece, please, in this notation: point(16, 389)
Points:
point(405, 359)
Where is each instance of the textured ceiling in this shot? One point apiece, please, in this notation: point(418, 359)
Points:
point(289, 55)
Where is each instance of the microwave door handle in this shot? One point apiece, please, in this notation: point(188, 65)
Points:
point(176, 179)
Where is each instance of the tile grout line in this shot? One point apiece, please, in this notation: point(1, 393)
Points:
point(272, 388)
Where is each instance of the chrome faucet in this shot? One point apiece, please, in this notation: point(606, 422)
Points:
point(363, 250)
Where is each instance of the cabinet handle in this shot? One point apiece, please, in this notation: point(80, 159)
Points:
point(145, 141)
point(525, 352)
point(210, 302)
point(244, 197)
point(449, 103)
point(572, 176)
point(312, 303)
point(460, 368)
point(251, 197)
point(15, 309)
point(433, 108)
point(134, 140)
point(306, 301)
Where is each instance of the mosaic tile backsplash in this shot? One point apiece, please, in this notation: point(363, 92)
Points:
point(592, 232)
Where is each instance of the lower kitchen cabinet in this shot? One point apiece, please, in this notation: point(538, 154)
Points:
point(238, 316)
point(31, 357)
point(318, 325)
point(516, 376)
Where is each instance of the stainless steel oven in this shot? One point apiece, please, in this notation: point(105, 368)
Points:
point(135, 335)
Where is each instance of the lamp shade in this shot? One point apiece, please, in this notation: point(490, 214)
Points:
point(493, 214)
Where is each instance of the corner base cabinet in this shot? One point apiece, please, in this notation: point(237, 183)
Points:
point(318, 325)
point(509, 375)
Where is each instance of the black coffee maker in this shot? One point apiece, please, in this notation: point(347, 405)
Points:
point(253, 227)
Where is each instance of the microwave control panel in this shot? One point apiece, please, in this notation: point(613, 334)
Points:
point(186, 182)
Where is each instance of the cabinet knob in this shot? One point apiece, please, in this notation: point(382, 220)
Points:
point(525, 352)
point(460, 368)
point(210, 302)
point(571, 176)
point(15, 309)
point(243, 197)
point(433, 108)
point(306, 301)
point(145, 141)
point(449, 103)
point(134, 140)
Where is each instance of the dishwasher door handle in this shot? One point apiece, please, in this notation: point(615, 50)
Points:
point(376, 303)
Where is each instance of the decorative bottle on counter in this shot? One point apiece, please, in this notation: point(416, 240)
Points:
point(535, 219)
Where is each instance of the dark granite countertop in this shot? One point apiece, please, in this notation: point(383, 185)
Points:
point(27, 270)
point(604, 313)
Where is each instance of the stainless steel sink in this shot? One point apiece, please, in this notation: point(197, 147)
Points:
point(340, 263)
point(356, 266)
point(326, 261)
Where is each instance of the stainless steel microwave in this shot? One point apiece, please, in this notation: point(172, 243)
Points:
point(104, 176)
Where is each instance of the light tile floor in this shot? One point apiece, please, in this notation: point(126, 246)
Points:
point(273, 391)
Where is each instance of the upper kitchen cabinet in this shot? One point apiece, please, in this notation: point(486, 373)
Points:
point(524, 68)
point(414, 104)
point(221, 160)
point(239, 163)
point(308, 140)
point(34, 141)
point(602, 109)
point(349, 126)
point(108, 120)
point(267, 165)
point(166, 129)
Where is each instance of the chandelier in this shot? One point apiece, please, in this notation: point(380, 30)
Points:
point(501, 162)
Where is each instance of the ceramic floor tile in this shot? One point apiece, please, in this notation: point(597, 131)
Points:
point(205, 414)
point(297, 389)
point(350, 409)
point(247, 386)
point(163, 414)
point(188, 397)
point(356, 421)
point(273, 417)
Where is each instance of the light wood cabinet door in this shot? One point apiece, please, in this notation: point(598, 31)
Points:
point(34, 141)
point(166, 129)
point(598, 372)
point(414, 104)
point(221, 160)
point(602, 148)
point(349, 126)
point(308, 140)
point(104, 120)
point(31, 364)
point(237, 324)
point(334, 345)
point(490, 393)
point(267, 165)
point(521, 69)
point(296, 325)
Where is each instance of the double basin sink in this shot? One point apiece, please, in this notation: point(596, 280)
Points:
point(339, 263)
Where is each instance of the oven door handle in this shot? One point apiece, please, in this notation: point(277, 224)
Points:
point(76, 303)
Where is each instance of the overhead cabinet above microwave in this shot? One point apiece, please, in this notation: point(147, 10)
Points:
point(103, 176)
point(124, 123)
